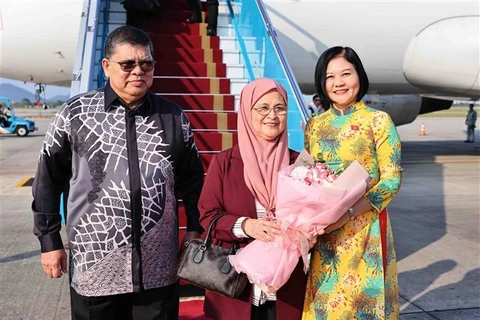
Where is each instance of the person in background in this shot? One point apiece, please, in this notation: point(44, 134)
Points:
point(140, 11)
point(241, 184)
point(353, 271)
point(3, 116)
point(316, 106)
point(119, 154)
point(471, 122)
point(212, 15)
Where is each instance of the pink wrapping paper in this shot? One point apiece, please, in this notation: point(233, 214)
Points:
point(298, 206)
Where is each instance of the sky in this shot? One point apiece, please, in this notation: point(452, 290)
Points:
point(50, 90)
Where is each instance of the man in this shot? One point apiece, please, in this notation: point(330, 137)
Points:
point(316, 106)
point(3, 116)
point(470, 121)
point(212, 15)
point(140, 11)
point(119, 154)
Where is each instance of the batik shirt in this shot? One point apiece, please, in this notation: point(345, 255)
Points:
point(119, 171)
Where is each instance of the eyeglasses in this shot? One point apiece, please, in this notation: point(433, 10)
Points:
point(263, 111)
point(130, 65)
point(316, 99)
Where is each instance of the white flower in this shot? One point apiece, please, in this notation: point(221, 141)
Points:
point(299, 173)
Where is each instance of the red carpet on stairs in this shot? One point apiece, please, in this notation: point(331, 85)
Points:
point(192, 310)
point(190, 71)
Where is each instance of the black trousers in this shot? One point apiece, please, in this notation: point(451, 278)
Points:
point(267, 311)
point(154, 304)
point(212, 11)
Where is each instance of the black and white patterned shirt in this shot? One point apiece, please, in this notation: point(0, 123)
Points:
point(120, 171)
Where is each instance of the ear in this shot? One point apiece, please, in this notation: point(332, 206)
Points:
point(106, 67)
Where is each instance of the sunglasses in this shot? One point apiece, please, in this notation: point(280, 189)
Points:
point(130, 65)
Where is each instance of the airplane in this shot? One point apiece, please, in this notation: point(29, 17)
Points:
point(419, 55)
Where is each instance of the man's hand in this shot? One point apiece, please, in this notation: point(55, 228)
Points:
point(54, 263)
point(261, 229)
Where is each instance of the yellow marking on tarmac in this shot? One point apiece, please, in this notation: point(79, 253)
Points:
point(226, 140)
point(218, 102)
point(222, 121)
point(214, 85)
point(22, 182)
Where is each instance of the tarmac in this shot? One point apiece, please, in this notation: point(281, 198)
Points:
point(435, 219)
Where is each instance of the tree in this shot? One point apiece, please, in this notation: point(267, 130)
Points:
point(26, 102)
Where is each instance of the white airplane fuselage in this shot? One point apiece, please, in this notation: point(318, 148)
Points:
point(381, 32)
point(39, 40)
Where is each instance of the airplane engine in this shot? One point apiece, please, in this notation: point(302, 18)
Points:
point(443, 57)
point(404, 108)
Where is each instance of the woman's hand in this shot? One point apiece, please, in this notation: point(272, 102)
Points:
point(340, 223)
point(312, 239)
point(261, 229)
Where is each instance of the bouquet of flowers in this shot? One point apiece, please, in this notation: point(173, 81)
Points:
point(309, 197)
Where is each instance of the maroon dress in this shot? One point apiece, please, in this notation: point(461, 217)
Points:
point(225, 192)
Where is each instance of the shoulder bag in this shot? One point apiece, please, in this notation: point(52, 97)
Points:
point(207, 266)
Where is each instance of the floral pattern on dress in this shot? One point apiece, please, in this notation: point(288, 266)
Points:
point(347, 279)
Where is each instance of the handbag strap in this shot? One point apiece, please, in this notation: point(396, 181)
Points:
point(208, 238)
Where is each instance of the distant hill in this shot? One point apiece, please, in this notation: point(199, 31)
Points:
point(18, 94)
point(58, 97)
point(15, 93)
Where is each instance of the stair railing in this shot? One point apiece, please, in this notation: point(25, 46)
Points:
point(264, 57)
point(87, 71)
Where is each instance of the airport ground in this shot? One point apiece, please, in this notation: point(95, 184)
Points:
point(435, 218)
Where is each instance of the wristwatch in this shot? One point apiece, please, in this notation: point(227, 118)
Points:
point(351, 213)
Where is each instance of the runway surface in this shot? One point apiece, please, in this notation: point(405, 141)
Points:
point(435, 218)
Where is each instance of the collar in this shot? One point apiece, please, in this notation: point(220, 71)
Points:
point(112, 99)
point(348, 110)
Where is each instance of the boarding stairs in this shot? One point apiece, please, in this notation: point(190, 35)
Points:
point(202, 74)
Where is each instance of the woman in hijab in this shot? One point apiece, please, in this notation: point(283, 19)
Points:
point(241, 184)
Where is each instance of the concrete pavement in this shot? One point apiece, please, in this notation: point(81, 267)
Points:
point(435, 218)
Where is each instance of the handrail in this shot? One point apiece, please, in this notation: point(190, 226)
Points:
point(285, 65)
point(85, 58)
point(241, 42)
point(106, 16)
point(260, 49)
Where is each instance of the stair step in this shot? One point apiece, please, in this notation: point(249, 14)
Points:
point(191, 69)
point(208, 102)
point(215, 141)
point(186, 41)
point(190, 85)
point(169, 27)
point(188, 55)
point(176, 27)
point(172, 15)
point(220, 121)
point(230, 43)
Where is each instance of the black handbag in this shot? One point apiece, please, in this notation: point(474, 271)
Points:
point(207, 266)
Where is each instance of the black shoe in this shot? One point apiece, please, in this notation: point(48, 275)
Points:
point(194, 18)
point(211, 32)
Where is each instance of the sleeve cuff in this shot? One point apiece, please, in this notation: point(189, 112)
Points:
point(237, 228)
point(50, 242)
